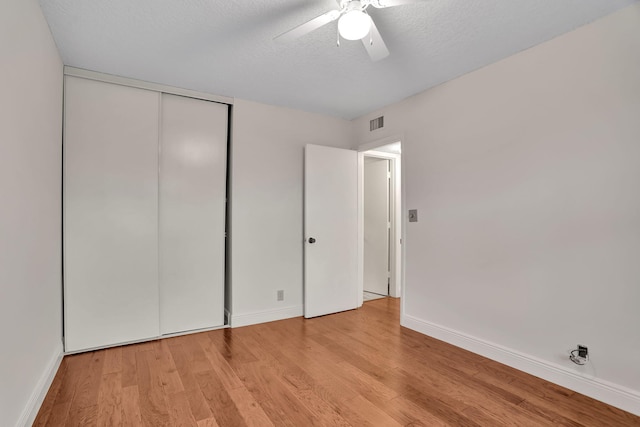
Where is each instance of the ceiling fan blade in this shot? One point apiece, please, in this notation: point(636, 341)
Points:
point(309, 26)
point(374, 44)
point(381, 4)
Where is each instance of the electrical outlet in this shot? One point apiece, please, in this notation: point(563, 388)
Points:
point(280, 295)
point(583, 351)
point(582, 355)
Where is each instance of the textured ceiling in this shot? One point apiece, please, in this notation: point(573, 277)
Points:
point(226, 47)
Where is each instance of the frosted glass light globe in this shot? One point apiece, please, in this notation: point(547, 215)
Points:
point(354, 25)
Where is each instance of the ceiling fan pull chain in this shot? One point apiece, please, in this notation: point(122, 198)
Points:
point(370, 38)
point(338, 38)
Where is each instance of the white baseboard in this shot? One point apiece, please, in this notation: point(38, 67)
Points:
point(264, 316)
point(30, 411)
point(607, 392)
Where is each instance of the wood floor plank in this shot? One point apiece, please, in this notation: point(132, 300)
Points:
point(543, 409)
point(249, 408)
point(130, 409)
point(548, 415)
point(370, 388)
point(280, 405)
point(112, 361)
point(75, 367)
point(83, 417)
point(169, 376)
point(319, 401)
point(408, 413)
point(218, 363)
point(153, 407)
point(199, 406)
point(327, 376)
point(128, 365)
point(196, 357)
point(438, 398)
point(360, 412)
point(59, 414)
point(222, 406)
point(603, 411)
point(232, 349)
point(555, 402)
point(88, 386)
point(110, 400)
point(355, 368)
point(47, 406)
point(349, 355)
point(503, 404)
point(183, 367)
point(500, 409)
point(208, 422)
point(180, 410)
point(302, 370)
point(316, 385)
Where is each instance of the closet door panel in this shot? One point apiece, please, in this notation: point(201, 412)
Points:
point(110, 214)
point(192, 213)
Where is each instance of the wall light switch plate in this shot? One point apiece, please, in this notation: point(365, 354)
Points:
point(413, 215)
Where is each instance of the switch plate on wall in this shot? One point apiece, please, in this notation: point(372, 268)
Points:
point(280, 295)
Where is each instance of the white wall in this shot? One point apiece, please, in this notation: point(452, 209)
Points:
point(526, 175)
point(30, 162)
point(267, 202)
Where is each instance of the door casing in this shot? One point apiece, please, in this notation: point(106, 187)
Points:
point(398, 219)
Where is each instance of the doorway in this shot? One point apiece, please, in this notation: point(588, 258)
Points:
point(380, 221)
point(377, 227)
point(334, 226)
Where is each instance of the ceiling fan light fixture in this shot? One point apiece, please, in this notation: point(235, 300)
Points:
point(354, 25)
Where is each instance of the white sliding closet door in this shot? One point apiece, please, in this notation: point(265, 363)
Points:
point(192, 213)
point(110, 214)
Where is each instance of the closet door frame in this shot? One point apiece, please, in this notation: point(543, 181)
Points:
point(156, 87)
point(160, 89)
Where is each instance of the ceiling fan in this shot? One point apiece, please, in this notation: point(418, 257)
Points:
point(354, 23)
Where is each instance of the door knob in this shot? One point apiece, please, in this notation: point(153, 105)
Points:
point(312, 240)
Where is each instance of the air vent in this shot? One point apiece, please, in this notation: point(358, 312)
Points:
point(376, 123)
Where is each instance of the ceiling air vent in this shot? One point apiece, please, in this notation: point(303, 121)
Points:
point(376, 123)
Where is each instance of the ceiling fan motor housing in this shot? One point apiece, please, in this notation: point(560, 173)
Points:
point(350, 5)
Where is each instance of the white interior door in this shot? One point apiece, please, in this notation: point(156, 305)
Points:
point(331, 224)
point(193, 147)
point(376, 225)
point(110, 214)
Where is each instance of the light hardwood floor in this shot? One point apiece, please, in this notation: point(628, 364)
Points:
point(356, 368)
